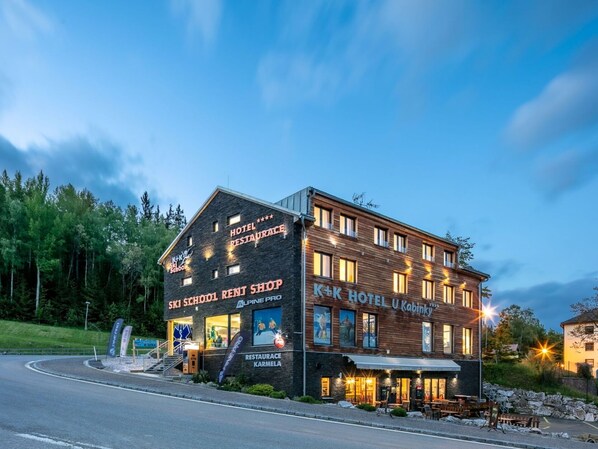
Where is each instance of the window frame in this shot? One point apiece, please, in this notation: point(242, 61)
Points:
point(267, 328)
point(428, 282)
point(378, 233)
point(396, 283)
point(398, 237)
point(233, 269)
point(321, 256)
point(186, 281)
point(319, 213)
point(428, 349)
point(325, 387)
point(234, 219)
point(189, 240)
point(215, 226)
point(450, 263)
point(215, 273)
point(324, 334)
point(425, 256)
point(589, 346)
point(347, 264)
point(347, 343)
point(448, 294)
point(372, 341)
point(229, 335)
point(467, 341)
point(467, 298)
point(448, 329)
point(344, 229)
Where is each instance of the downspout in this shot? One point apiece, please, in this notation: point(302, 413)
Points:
point(480, 308)
point(303, 298)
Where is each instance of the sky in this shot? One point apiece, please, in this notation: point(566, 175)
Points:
point(478, 118)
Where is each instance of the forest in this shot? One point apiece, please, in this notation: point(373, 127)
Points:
point(61, 249)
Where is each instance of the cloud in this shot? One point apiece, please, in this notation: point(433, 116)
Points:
point(567, 171)
point(96, 164)
point(24, 20)
point(551, 302)
point(499, 270)
point(201, 16)
point(568, 103)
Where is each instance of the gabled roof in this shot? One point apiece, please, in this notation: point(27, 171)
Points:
point(300, 201)
point(218, 190)
point(590, 316)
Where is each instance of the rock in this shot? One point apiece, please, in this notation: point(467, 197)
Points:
point(415, 415)
point(345, 404)
point(589, 417)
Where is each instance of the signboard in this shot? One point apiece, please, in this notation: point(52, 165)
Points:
point(124, 341)
point(235, 346)
point(139, 343)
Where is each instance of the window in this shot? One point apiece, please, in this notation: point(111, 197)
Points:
point(348, 226)
point(401, 243)
point(187, 281)
point(347, 270)
point(427, 252)
point(449, 259)
point(265, 325)
point(221, 329)
point(322, 325)
point(467, 298)
point(233, 269)
point(381, 237)
point(448, 295)
point(233, 219)
point(589, 346)
point(347, 328)
point(427, 337)
point(214, 226)
point(215, 274)
point(325, 387)
point(189, 240)
point(447, 339)
point(399, 283)
point(427, 289)
point(370, 330)
point(588, 329)
point(323, 217)
point(434, 389)
point(322, 264)
point(590, 362)
point(467, 341)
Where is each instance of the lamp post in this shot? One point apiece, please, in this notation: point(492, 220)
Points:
point(87, 303)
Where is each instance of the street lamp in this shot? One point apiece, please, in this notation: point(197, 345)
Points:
point(488, 313)
point(87, 303)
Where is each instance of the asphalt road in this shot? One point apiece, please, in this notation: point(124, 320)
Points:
point(41, 411)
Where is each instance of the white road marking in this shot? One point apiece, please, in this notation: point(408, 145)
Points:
point(30, 366)
point(591, 425)
point(62, 443)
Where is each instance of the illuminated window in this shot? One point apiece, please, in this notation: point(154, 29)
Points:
point(322, 264)
point(187, 281)
point(467, 298)
point(214, 226)
point(467, 341)
point(221, 329)
point(434, 389)
point(215, 274)
point(370, 330)
point(348, 226)
point(589, 346)
point(427, 289)
point(323, 217)
point(400, 243)
point(449, 259)
point(347, 270)
point(448, 295)
point(399, 282)
point(360, 390)
point(427, 337)
point(325, 390)
point(447, 339)
point(233, 219)
point(427, 252)
point(233, 269)
point(189, 240)
point(381, 237)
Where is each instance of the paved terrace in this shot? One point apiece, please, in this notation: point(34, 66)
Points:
point(118, 374)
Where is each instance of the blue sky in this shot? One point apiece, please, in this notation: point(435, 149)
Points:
point(478, 118)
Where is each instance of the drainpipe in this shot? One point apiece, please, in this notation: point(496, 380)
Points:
point(480, 337)
point(303, 286)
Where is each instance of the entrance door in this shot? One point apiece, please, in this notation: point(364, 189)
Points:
point(182, 332)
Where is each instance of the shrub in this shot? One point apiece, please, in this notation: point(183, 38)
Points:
point(366, 407)
point(307, 399)
point(399, 411)
point(201, 377)
point(231, 384)
point(260, 389)
point(278, 394)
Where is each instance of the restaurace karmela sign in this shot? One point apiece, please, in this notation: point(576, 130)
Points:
point(229, 293)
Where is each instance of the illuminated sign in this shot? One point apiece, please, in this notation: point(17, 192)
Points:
point(177, 263)
point(251, 289)
point(268, 360)
point(366, 298)
point(255, 235)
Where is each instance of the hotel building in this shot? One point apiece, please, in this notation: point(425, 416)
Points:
point(325, 298)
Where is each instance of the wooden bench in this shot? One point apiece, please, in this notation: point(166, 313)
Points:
point(518, 420)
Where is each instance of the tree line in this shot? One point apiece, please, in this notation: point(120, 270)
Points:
point(64, 248)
